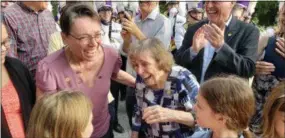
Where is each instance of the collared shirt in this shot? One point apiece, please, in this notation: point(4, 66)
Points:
point(31, 31)
point(209, 52)
point(155, 25)
point(179, 93)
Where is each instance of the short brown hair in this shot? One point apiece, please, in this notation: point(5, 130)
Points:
point(163, 57)
point(63, 114)
point(75, 10)
point(275, 102)
point(230, 96)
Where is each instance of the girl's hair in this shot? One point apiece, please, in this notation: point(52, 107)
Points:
point(163, 57)
point(275, 102)
point(232, 97)
point(63, 114)
point(280, 27)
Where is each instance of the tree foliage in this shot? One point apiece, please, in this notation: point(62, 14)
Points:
point(265, 13)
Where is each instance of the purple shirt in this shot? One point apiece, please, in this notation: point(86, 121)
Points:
point(31, 32)
point(54, 74)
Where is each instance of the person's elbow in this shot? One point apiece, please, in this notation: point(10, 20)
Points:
point(248, 69)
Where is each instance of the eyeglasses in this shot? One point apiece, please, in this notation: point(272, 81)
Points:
point(88, 38)
point(6, 43)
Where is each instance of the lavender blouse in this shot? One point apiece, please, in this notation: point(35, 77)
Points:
point(54, 74)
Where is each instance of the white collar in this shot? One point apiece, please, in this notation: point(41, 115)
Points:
point(153, 14)
point(229, 20)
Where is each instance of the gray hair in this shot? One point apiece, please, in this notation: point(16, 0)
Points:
point(158, 52)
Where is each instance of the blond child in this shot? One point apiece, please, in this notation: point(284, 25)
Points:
point(66, 114)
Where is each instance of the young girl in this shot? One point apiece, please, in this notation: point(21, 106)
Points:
point(66, 114)
point(225, 106)
point(273, 124)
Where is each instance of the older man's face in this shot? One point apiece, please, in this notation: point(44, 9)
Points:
point(218, 12)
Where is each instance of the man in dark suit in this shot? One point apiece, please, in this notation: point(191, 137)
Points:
point(220, 44)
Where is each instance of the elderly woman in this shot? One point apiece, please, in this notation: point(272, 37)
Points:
point(84, 65)
point(18, 92)
point(165, 93)
point(270, 68)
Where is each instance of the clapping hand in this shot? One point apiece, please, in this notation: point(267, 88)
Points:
point(199, 40)
point(214, 34)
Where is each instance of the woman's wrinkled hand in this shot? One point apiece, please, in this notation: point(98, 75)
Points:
point(280, 47)
point(157, 114)
point(264, 68)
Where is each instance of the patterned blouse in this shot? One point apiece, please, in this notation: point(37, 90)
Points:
point(263, 84)
point(181, 89)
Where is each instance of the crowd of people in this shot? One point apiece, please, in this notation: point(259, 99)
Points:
point(200, 70)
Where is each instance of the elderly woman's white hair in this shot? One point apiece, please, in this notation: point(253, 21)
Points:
point(158, 52)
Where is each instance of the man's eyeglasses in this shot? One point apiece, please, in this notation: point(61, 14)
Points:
point(88, 38)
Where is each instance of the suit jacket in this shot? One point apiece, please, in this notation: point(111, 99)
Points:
point(26, 89)
point(237, 56)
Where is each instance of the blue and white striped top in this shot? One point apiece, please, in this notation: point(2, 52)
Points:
point(181, 89)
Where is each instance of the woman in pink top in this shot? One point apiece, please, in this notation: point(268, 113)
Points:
point(17, 93)
point(84, 65)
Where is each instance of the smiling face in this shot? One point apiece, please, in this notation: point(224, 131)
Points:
point(145, 66)
point(218, 12)
point(83, 28)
